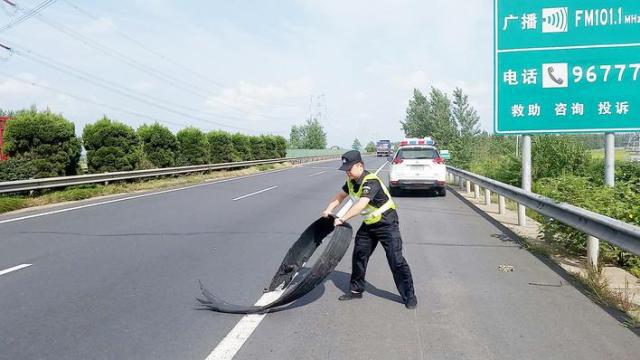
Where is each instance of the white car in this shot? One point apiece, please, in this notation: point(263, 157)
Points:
point(418, 167)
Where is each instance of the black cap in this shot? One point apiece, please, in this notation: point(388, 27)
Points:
point(349, 159)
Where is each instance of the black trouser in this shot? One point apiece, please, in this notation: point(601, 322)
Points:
point(388, 234)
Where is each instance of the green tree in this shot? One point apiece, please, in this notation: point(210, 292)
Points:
point(467, 118)
point(159, 145)
point(431, 117)
point(111, 146)
point(356, 145)
point(40, 144)
point(445, 129)
point(371, 147)
point(558, 155)
point(281, 146)
point(242, 144)
point(310, 135)
point(465, 115)
point(258, 148)
point(221, 147)
point(193, 147)
point(416, 119)
point(271, 146)
point(295, 137)
point(314, 135)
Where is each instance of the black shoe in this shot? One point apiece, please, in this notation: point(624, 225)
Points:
point(350, 296)
point(411, 303)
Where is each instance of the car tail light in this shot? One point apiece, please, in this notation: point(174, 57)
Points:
point(394, 182)
point(397, 160)
point(440, 183)
point(438, 160)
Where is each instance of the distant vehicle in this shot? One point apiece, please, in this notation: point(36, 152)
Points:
point(418, 165)
point(383, 148)
point(3, 122)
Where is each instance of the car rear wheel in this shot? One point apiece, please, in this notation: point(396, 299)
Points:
point(442, 192)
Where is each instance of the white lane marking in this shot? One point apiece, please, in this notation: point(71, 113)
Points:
point(15, 268)
point(254, 193)
point(153, 193)
point(235, 339)
point(136, 197)
point(318, 173)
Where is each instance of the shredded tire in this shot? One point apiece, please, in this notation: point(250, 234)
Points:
point(289, 281)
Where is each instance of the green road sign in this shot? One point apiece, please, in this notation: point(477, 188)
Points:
point(566, 66)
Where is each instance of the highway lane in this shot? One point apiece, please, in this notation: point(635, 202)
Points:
point(467, 308)
point(118, 281)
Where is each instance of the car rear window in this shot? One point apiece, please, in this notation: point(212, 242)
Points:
point(417, 154)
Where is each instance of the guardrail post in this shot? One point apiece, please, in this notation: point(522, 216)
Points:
point(487, 197)
point(476, 189)
point(593, 251)
point(468, 186)
point(502, 206)
point(461, 182)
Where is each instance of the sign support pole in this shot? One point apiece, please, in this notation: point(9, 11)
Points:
point(593, 243)
point(526, 176)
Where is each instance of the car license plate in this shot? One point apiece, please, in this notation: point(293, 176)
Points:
point(417, 168)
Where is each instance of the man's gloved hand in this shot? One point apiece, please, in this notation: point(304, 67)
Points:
point(338, 222)
point(326, 214)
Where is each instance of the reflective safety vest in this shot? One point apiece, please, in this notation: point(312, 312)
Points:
point(371, 213)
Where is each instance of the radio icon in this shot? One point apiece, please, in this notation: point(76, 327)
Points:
point(555, 20)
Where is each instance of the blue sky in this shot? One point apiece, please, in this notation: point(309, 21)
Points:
point(254, 65)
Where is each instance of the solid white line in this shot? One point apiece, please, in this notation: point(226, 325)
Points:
point(15, 268)
point(207, 182)
point(254, 193)
point(235, 339)
point(318, 173)
point(569, 47)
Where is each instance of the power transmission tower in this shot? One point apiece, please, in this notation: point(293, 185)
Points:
point(317, 108)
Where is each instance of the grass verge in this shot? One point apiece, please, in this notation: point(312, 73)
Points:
point(82, 192)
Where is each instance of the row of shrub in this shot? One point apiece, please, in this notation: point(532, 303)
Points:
point(562, 169)
point(44, 144)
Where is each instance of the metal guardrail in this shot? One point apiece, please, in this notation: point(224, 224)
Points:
point(619, 233)
point(64, 181)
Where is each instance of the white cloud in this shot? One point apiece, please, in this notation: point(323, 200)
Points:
point(417, 79)
point(11, 89)
point(141, 86)
point(360, 95)
point(102, 25)
point(286, 99)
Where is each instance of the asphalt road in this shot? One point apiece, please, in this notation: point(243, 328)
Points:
point(119, 280)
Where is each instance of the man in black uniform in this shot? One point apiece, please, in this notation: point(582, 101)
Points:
point(371, 199)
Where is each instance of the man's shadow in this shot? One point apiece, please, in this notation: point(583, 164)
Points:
point(341, 281)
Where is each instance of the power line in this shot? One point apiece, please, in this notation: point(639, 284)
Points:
point(87, 100)
point(137, 65)
point(115, 88)
point(168, 59)
point(27, 14)
point(129, 95)
point(145, 68)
